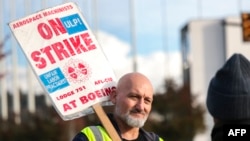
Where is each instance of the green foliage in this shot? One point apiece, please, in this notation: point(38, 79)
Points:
point(179, 119)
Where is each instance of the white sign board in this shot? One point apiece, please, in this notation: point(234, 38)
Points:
point(66, 59)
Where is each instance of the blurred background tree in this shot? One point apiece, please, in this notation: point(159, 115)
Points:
point(175, 116)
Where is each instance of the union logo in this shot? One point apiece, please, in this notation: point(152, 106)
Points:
point(77, 71)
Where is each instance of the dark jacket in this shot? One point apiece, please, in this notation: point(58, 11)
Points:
point(144, 135)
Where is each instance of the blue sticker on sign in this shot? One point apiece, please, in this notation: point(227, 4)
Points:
point(73, 24)
point(54, 80)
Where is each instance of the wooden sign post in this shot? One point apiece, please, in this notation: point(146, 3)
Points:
point(106, 122)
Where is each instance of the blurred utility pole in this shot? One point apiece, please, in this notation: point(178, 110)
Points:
point(133, 37)
point(95, 17)
point(239, 6)
point(30, 88)
point(3, 88)
point(15, 88)
point(199, 9)
point(164, 38)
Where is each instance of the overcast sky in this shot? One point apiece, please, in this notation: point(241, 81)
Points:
point(157, 27)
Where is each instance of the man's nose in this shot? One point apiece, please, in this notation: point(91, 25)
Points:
point(140, 105)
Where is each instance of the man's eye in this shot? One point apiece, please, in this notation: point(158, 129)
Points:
point(134, 97)
point(148, 101)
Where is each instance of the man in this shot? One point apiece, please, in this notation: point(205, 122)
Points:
point(132, 101)
point(228, 98)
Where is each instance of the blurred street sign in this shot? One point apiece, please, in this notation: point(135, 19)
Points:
point(245, 17)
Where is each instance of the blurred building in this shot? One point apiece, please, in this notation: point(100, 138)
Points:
point(206, 44)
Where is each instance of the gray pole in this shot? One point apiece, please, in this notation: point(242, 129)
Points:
point(164, 37)
point(133, 37)
point(95, 18)
point(3, 89)
point(15, 87)
point(239, 6)
point(30, 88)
point(199, 8)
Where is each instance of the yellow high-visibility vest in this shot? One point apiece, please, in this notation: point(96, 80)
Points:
point(98, 133)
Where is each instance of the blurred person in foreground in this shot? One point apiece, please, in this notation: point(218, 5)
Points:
point(132, 101)
point(228, 98)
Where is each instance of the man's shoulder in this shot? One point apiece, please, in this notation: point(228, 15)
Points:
point(80, 137)
point(150, 135)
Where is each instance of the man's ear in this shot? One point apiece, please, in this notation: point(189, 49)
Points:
point(113, 95)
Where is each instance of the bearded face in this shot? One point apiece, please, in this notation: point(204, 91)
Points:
point(131, 120)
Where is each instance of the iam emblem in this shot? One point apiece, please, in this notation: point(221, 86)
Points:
point(77, 71)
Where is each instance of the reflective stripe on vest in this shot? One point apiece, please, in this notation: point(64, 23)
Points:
point(96, 133)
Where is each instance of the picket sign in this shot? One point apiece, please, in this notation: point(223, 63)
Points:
point(68, 62)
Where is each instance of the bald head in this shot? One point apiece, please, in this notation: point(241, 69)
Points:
point(135, 80)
